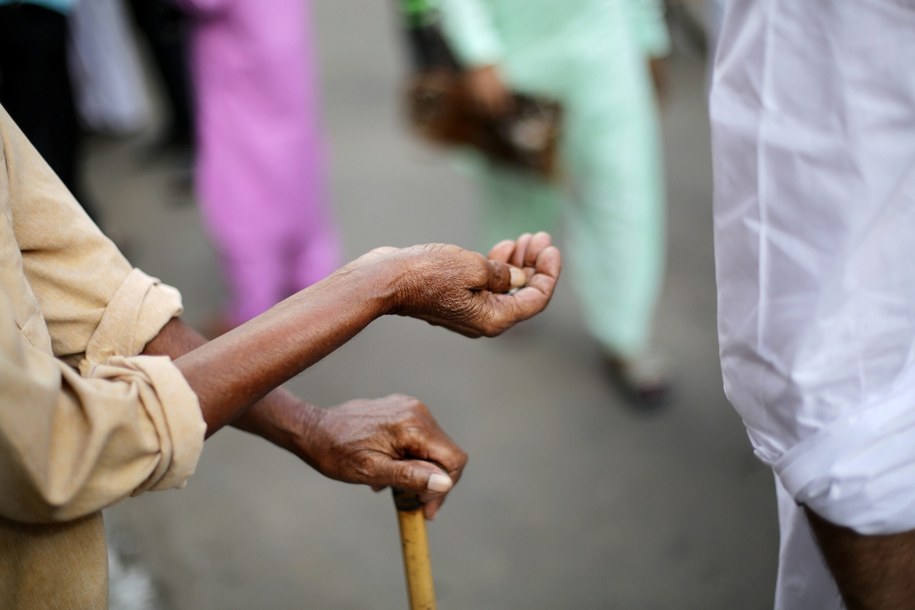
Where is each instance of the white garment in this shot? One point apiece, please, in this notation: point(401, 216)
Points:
point(105, 67)
point(813, 129)
point(804, 581)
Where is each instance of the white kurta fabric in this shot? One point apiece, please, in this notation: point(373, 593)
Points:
point(813, 126)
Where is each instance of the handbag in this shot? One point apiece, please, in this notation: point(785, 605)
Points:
point(440, 110)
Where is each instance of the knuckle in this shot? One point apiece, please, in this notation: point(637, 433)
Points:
point(406, 475)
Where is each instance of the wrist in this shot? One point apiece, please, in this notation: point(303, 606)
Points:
point(281, 419)
point(389, 286)
point(387, 279)
point(303, 438)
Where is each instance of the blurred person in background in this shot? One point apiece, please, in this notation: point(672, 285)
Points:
point(260, 155)
point(36, 86)
point(813, 131)
point(163, 25)
point(597, 58)
point(105, 393)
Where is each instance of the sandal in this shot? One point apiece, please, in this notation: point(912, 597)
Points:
point(643, 380)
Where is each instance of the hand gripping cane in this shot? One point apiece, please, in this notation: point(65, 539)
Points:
point(415, 547)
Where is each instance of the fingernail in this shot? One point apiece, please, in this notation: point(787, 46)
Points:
point(439, 482)
point(518, 277)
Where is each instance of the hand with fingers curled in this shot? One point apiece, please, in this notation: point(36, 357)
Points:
point(386, 442)
point(465, 292)
point(392, 441)
point(165, 394)
point(395, 441)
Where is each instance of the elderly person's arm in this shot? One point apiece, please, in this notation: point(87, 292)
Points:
point(87, 419)
point(872, 572)
point(442, 284)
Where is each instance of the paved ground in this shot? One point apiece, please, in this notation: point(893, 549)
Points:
point(571, 500)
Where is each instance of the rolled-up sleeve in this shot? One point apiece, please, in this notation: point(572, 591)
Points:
point(71, 445)
point(138, 310)
point(84, 420)
point(72, 269)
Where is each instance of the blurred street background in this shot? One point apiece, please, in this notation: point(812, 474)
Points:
point(571, 499)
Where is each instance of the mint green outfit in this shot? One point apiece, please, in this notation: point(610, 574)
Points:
point(593, 56)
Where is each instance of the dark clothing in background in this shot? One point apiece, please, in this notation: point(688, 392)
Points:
point(36, 90)
point(164, 26)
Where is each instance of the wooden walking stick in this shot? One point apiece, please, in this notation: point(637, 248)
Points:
point(415, 547)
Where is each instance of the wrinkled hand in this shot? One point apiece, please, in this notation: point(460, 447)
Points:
point(391, 441)
point(467, 293)
point(487, 91)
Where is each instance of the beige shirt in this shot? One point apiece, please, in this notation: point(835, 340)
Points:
point(84, 421)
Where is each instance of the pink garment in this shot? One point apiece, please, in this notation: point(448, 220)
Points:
point(260, 162)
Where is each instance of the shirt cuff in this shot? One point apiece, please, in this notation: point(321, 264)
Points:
point(139, 309)
point(857, 471)
point(173, 410)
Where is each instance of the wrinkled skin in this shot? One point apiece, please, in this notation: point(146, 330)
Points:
point(392, 441)
point(468, 293)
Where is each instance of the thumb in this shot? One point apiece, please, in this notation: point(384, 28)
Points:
point(503, 277)
point(420, 477)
